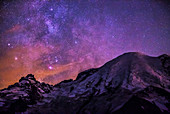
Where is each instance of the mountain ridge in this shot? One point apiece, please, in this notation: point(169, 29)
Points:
point(130, 80)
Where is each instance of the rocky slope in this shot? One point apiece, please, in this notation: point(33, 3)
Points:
point(132, 83)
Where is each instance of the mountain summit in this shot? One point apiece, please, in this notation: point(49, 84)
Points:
point(132, 83)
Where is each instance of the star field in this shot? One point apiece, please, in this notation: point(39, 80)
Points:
point(57, 39)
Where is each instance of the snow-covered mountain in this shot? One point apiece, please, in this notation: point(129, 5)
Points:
point(132, 83)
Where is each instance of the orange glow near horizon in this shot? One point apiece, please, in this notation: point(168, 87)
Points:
point(29, 62)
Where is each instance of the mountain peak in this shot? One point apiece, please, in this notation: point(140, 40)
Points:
point(164, 55)
point(30, 76)
point(134, 53)
point(130, 80)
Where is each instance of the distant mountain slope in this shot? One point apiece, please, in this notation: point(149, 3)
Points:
point(132, 83)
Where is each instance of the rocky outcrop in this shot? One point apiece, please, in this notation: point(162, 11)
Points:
point(18, 97)
point(131, 83)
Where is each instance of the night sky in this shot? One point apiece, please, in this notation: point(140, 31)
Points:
point(57, 39)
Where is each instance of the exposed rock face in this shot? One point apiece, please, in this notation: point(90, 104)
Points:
point(132, 83)
point(18, 97)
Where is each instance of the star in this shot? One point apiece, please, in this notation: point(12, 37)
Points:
point(51, 9)
point(75, 42)
point(28, 19)
point(50, 67)
point(16, 58)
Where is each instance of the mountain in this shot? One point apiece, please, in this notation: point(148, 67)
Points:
point(132, 83)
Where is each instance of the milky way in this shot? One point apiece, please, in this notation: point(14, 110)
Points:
point(56, 39)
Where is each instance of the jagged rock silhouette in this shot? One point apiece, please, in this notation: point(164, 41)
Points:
point(129, 84)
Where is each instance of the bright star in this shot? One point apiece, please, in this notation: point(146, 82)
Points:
point(16, 58)
point(50, 67)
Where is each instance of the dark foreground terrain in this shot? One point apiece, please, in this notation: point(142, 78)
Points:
point(132, 83)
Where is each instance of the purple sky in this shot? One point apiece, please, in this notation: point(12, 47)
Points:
point(56, 39)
